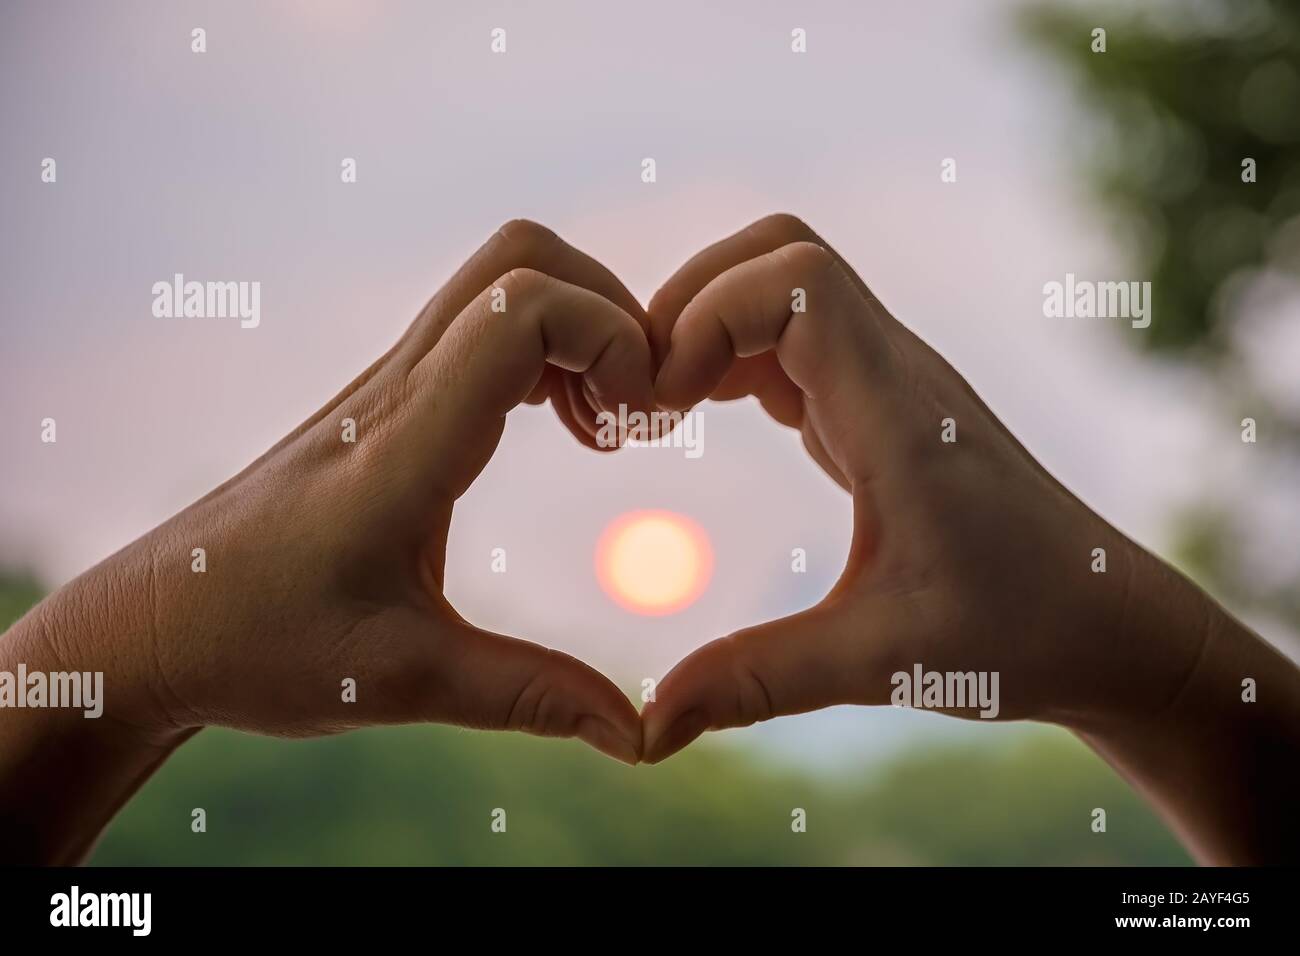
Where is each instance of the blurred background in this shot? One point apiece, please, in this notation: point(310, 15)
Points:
point(1122, 165)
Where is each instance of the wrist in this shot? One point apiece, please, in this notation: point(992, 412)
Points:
point(76, 735)
point(102, 626)
point(1214, 755)
point(1170, 655)
point(1146, 632)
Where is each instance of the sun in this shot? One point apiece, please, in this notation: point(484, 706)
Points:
point(654, 562)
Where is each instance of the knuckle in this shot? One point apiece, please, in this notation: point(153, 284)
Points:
point(747, 699)
point(521, 281)
point(525, 238)
point(807, 258)
point(784, 225)
point(531, 712)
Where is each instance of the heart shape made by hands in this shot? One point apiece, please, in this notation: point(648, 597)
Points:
point(932, 588)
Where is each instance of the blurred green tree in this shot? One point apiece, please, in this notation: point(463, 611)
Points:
point(1180, 104)
point(1195, 111)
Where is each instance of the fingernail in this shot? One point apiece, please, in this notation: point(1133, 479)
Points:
point(590, 396)
point(685, 728)
point(609, 740)
point(663, 367)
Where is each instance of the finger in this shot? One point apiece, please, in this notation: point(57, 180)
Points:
point(519, 244)
point(818, 658)
point(583, 409)
point(489, 361)
point(575, 414)
point(542, 390)
point(762, 377)
point(572, 405)
point(497, 357)
point(503, 683)
point(756, 239)
point(447, 671)
point(562, 404)
point(747, 310)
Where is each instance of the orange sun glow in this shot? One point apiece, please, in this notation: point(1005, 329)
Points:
point(654, 562)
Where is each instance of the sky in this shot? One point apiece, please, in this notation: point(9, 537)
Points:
point(226, 165)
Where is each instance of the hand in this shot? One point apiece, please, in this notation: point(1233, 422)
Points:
point(966, 556)
point(324, 559)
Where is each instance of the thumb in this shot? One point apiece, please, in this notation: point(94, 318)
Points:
point(503, 683)
point(818, 658)
point(440, 669)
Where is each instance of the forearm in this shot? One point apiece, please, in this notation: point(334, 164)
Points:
point(64, 774)
point(1219, 766)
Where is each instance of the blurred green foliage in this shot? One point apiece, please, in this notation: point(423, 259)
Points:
point(1182, 96)
point(18, 592)
point(425, 795)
